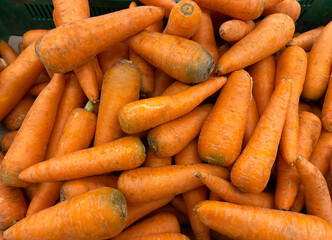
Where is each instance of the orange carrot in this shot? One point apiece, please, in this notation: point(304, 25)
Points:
point(70, 54)
point(328, 179)
point(159, 182)
point(303, 106)
point(122, 75)
point(307, 39)
point(259, 223)
point(37, 88)
point(316, 109)
point(29, 146)
point(134, 117)
point(20, 47)
point(214, 197)
point(180, 204)
point(327, 108)
point(43, 77)
point(319, 65)
point(175, 88)
point(269, 3)
point(15, 118)
point(181, 217)
point(161, 82)
point(166, 4)
point(7, 52)
point(289, 7)
point(30, 192)
point(31, 36)
point(152, 160)
point(220, 140)
point(7, 140)
point(267, 38)
point(223, 49)
point(162, 236)
point(122, 154)
point(252, 169)
point(105, 207)
point(99, 72)
point(252, 121)
point(163, 222)
point(234, 30)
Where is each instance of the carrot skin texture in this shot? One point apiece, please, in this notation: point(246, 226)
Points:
point(166, 4)
point(7, 52)
point(152, 160)
point(252, 121)
point(161, 82)
point(31, 36)
point(307, 39)
point(7, 140)
point(289, 7)
point(269, 3)
point(162, 236)
point(327, 106)
point(235, 30)
point(260, 222)
point(174, 88)
point(277, 30)
point(109, 215)
point(252, 169)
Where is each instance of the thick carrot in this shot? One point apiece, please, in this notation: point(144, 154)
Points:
point(104, 207)
point(245, 222)
point(37, 88)
point(172, 137)
point(7, 52)
point(307, 39)
point(122, 154)
point(289, 7)
point(180, 204)
point(17, 79)
point(166, 4)
point(31, 36)
point(72, 97)
point(163, 222)
point(144, 114)
point(234, 30)
point(30, 192)
point(122, 75)
point(319, 65)
point(327, 108)
point(15, 118)
point(252, 120)
point(162, 236)
point(275, 30)
point(220, 140)
point(252, 169)
point(146, 184)
point(20, 47)
point(175, 88)
point(161, 82)
point(7, 140)
point(62, 56)
point(29, 146)
point(205, 35)
point(270, 3)
point(152, 160)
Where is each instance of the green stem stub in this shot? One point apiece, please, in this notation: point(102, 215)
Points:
point(89, 106)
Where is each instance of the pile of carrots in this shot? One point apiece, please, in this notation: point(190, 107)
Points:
point(214, 124)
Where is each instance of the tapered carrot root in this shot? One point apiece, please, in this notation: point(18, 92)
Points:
point(327, 108)
point(252, 169)
point(152, 160)
point(194, 66)
point(289, 7)
point(175, 88)
point(252, 121)
point(166, 4)
point(37, 88)
point(7, 141)
point(161, 82)
point(31, 36)
point(259, 223)
point(220, 140)
point(162, 236)
point(156, 183)
point(235, 30)
point(277, 30)
point(105, 207)
point(7, 52)
point(307, 39)
point(144, 114)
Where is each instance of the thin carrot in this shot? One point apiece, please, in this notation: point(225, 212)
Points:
point(181, 217)
point(15, 118)
point(31, 36)
point(99, 72)
point(220, 140)
point(105, 207)
point(259, 223)
point(269, 3)
point(7, 140)
point(159, 182)
point(319, 65)
point(276, 30)
point(29, 146)
point(175, 88)
point(166, 4)
point(152, 160)
point(162, 236)
point(252, 169)
point(161, 82)
point(20, 47)
point(180, 204)
point(289, 7)
point(307, 39)
point(327, 108)
point(7, 52)
point(298, 203)
point(37, 88)
point(252, 121)
point(234, 30)
point(144, 114)
point(30, 192)
point(122, 75)
point(163, 222)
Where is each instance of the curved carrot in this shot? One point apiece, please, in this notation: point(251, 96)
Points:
point(20, 47)
point(161, 82)
point(259, 223)
point(175, 88)
point(252, 169)
point(7, 52)
point(144, 114)
point(105, 207)
point(289, 7)
point(307, 39)
point(180, 204)
point(220, 140)
point(327, 108)
point(152, 160)
point(7, 140)
point(234, 30)
point(15, 118)
point(29, 146)
point(122, 75)
point(319, 65)
point(165, 4)
point(276, 30)
point(252, 121)
point(162, 236)
point(31, 36)
point(269, 3)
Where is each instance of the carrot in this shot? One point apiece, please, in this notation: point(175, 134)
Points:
point(134, 117)
point(15, 118)
point(122, 75)
point(252, 169)
point(172, 137)
point(7, 52)
point(270, 3)
point(72, 97)
point(105, 207)
point(289, 7)
point(220, 140)
point(99, 72)
point(43, 77)
point(180, 204)
point(70, 54)
point(327, 108)
point(162, 236)
point(20, 47)
point(234, 30)
point(31, 36)
point(152, 160)
point(175, 88)
point(194, 66)
point(160, 182)
point(77, 134)
point(17, 79)
point(252, 121)
point(259, 223)
point(214, 196)
point(7, 140)
point(37, 88)
point(328, 179)
point(3, 64)
point(316, 109)
point(276, 30)
point(166, 4)
point(181, 217)
point(319, 66)
point(223, 49)
point(307, 39)
point(122, 154)
point(303, 106)
point(30, 192)
point(161, 82)
point(298, 203)
point(163, 222)
point(29, 146)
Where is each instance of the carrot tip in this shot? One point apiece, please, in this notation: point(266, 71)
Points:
point(187, 9)
point(221, 32)
point(198, 174)
point(290, 43)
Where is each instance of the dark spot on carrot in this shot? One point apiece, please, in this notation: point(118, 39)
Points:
point(119, 202)
point(153, 145)
point(187, 9)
